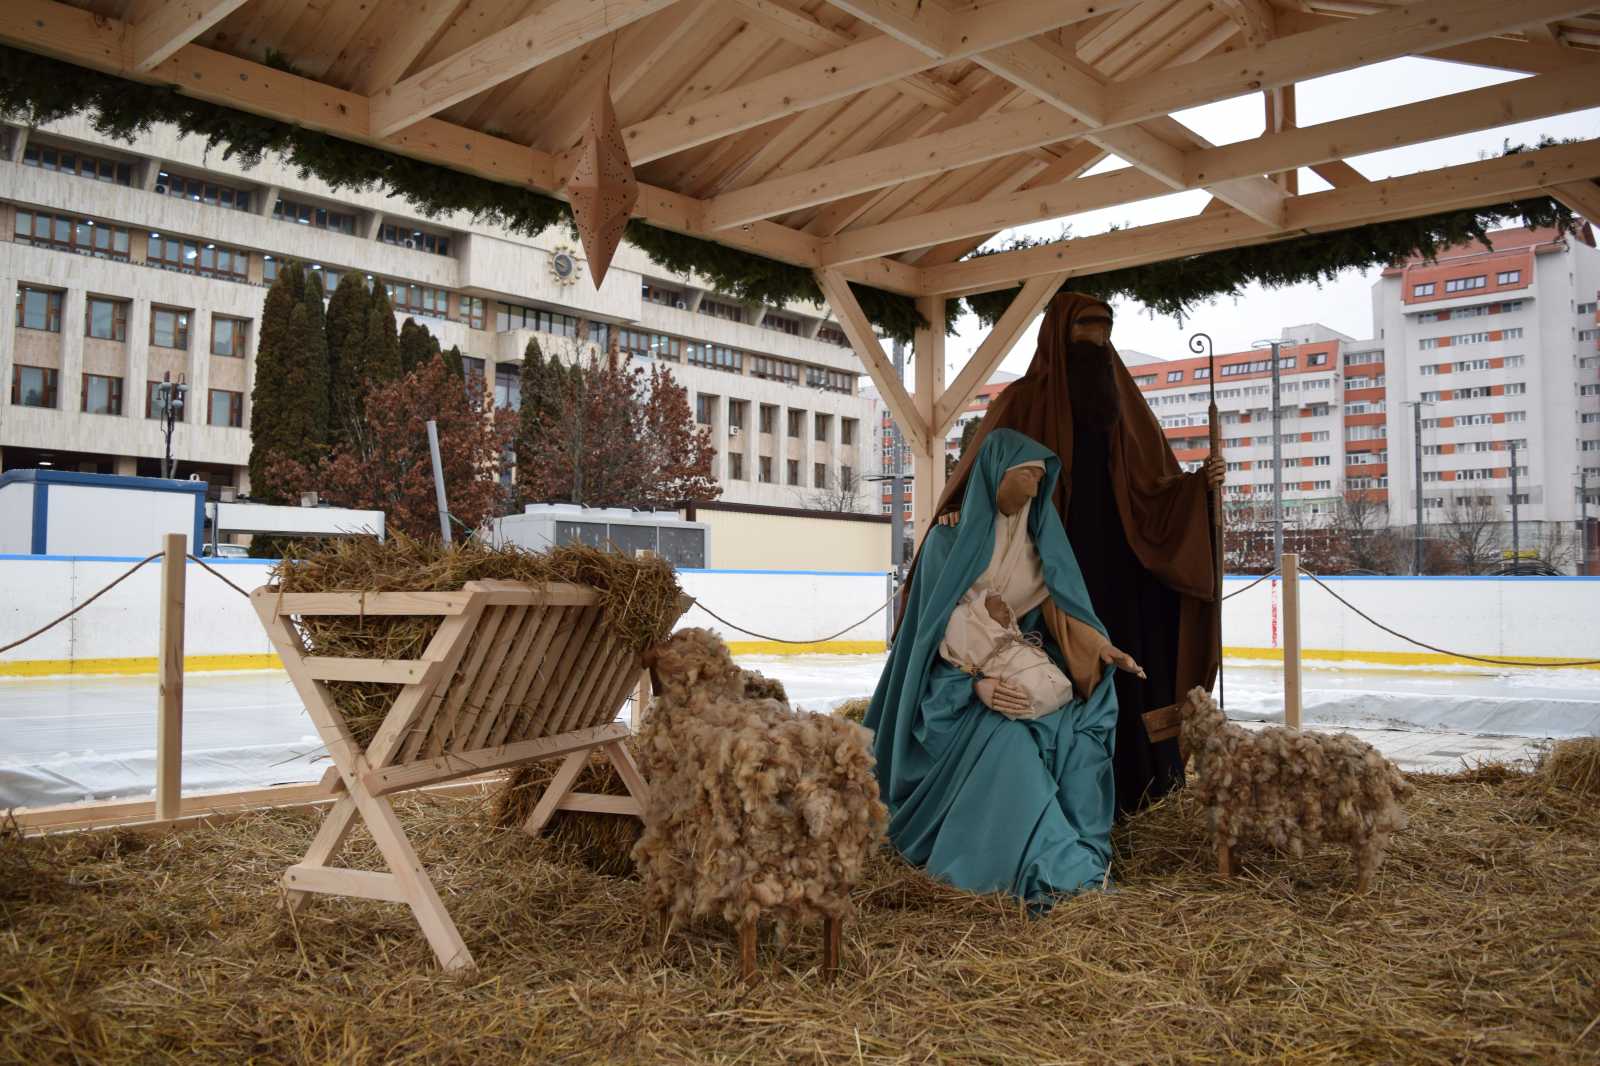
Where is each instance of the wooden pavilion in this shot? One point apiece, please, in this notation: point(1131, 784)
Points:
point(879, 142)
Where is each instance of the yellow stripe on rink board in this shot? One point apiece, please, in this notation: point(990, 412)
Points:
point(823, 647)
point(191, 664)
point(1390, 658)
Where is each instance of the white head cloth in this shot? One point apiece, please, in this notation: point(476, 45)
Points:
point(1014, 570)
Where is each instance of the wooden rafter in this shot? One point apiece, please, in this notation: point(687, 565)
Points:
point(996, 346)
point(553, 30)
point(386, 49)
point(168, 25)
point(1468, 185)
point(1582, 197)
point(1256, 19)
point(865, 342)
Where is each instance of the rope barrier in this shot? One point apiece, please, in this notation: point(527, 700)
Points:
point(1442, 651)
point(784, 640)
point(1253, 584)
point(218, 575)
point(51, 625)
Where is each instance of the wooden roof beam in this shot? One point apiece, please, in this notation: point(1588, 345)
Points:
point(836, 289)
point(996, 346)
point(1283, 61)
point(1583, 197)
point(168, 25)
point(1256, 20)
point(1477, 184)
point(554, 30)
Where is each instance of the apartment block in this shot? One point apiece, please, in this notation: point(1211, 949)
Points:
point(131, 262)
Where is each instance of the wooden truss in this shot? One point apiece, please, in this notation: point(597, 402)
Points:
point(513, 675)
point(880, 141)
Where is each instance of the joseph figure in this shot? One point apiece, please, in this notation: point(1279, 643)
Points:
point(1139, 525)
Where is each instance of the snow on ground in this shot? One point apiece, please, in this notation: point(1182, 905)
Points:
point(68, 739)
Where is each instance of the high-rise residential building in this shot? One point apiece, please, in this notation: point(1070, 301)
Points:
point(134, 262)
point(1502, 350)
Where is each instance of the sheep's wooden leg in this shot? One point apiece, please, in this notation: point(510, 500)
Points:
point(1224, 860)
point(1363, 880)
point(831, 930)
point(747, 950)
point(664, 924)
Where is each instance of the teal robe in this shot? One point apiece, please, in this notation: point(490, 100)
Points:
point(985, 802)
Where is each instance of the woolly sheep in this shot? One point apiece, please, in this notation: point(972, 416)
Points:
point(1288, 788)
point(756, 809)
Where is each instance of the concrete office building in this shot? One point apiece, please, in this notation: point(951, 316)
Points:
point(131, 261)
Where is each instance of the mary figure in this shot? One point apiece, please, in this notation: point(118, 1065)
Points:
point(982, 790)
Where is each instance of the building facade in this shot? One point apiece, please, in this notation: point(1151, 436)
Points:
point(135, 262)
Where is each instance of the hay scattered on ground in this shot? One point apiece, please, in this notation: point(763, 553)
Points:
point(600, 843)
point(1479, 943)
point(1573, 765)
point(638, 599)
point(853, 710)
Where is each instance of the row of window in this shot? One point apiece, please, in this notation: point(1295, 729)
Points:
point(201, 190)
point(83, 236)
point(1474, 420)
point(38, 386)
point(1477, 474)
point(1477, 281)
point(819, 474)
point(1476, 392)
point(1466, 366)
point(1475, 311)
point(407, 237)
point(1474, 446)
point(70, 161)
point(107, 319)
point(1481, 337)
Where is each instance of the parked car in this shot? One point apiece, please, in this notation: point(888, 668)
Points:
point(227, 551)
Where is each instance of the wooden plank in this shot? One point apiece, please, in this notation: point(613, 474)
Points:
point(865, 342)
point(1002, 338)
point(169, 686)
point(498, 593)
point(562, 675)
point(489, 677)
point(459, 687)
point(437, 927)
point(1582, 197)
point(459, 764)
point(173, 24)
point(311, 604)
point(336, 881)
point(555, 29)
point(534, 707)
point(1291, 640)
point(496, 706)
point(407, 724)
point(1049, 75)
point(927, 461)
point(388, 46)
point(566, 776)
point(382, 671)
point(582, 679)
point(531, 665)
point(628, 770)
point(603, 701)
point(330, 838)
point(598, 803)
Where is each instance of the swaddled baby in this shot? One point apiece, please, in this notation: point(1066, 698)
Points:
point(983, 639)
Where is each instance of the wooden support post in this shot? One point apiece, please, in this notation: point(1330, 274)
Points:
point(747, 950)
point(1224, 861)
point(169, 685)
point(1291, 640)
point(927, 456)
point(641, 702)
point(832, 929)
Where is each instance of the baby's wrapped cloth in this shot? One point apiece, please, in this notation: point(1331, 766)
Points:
point(979, 643)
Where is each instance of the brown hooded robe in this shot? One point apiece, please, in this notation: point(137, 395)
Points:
point(1149, 573)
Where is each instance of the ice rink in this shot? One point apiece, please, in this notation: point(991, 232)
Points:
point(68, 739)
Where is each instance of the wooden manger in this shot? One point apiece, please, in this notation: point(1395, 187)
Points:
point(513, 674)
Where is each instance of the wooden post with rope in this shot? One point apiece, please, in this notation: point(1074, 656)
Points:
point(169, 682)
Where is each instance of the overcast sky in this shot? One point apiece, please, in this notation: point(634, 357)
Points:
point(1345, 304)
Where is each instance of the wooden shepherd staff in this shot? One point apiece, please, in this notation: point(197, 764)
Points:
point(1201, 342)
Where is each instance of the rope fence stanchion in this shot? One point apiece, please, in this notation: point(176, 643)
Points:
point(1444, 651)
point(785, 640)
point(51, 625)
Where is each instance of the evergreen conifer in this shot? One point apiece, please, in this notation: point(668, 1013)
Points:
point(347, 355)
point(272, 396)
point(417, 345)
point(382, 342)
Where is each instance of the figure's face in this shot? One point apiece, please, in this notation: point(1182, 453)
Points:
point(1017, 488)
point(1091, 329)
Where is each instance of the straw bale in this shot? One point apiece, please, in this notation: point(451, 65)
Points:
point(1573, 765)
point(638, 599)
point(853, 710)
point(1481, 944)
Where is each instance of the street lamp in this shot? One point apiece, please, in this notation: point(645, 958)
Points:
point(1416, 448)
point(1277, 453)
point(170, 397)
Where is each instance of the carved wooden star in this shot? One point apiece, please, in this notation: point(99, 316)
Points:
point(602, 189)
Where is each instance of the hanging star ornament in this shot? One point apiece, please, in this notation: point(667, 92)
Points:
point(602, 189)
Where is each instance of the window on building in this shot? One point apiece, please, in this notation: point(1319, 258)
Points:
point(82, 236)
point(475, 371)
point(822, 424)
point(317, 217)
point(796, 423)
point(472, 311)
point(1142, 380)
point(1508, 277)
point(770, 369)
point(101, 395)
point(818, 377)
point(847, 432)
point(169, 328)
point(764, 469)
point(226, 408)
point(1201, 373)
point(508, 386)
point(69, 161)
point(721, 309)
point(410, 237)
point(39, 308)
point(735, 466)
point(420, 299)
point(782, 323)
point(1517, 388)
point(715, 357)
point(847, 477)
point(33, 386)
point(1174, 375)
point(230, 336)
point(793, 469)
point(831, 334)
point(202, 191)
point(736, 413)
point(702, 408)
point(664, 295)
point(769, 417)
point(819, 475)
point(1589, 334)
point(105, 319)
point(1477, 281)
point(153, 407)
point(1425, 289)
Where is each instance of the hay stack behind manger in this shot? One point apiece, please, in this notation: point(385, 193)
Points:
point(420, 664)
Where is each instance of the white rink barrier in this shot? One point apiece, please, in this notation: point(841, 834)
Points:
point(117, 634)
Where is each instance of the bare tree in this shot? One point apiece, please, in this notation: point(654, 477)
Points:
point(1471, 533)
point(1361, 527)
point(1558, 547)
point(841, 493)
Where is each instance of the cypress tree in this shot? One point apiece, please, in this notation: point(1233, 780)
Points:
point(272, 398)
point(382, 341)
point(453, 363)
point(417, 346)
point(347, 355)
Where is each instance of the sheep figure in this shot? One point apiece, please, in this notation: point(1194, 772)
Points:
point(757, 810)
point(1289, 788)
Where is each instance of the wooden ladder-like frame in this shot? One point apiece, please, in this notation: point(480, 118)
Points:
point(513, 675)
